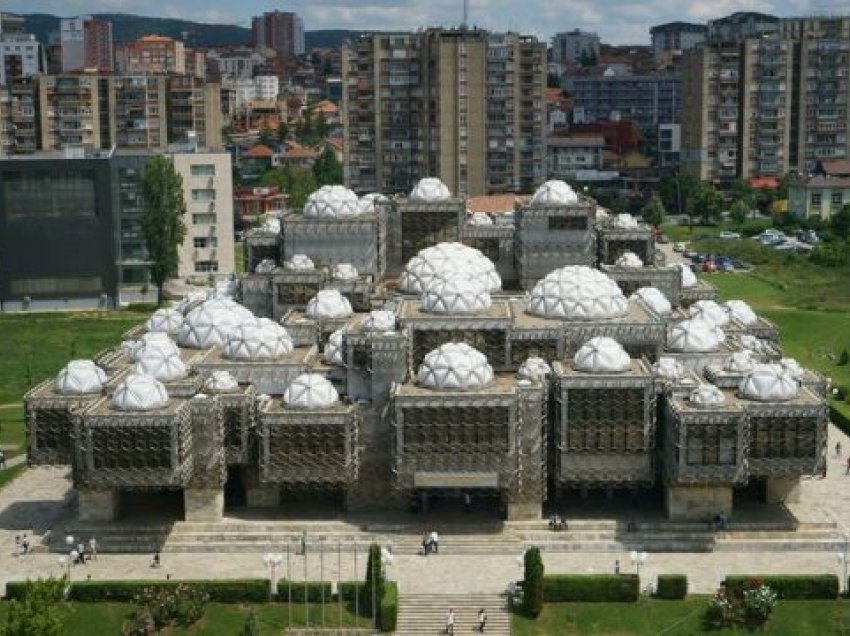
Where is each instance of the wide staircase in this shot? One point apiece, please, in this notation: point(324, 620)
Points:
point(425, 614)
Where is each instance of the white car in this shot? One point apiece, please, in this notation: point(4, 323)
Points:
point(729, 235)
point(679, 247)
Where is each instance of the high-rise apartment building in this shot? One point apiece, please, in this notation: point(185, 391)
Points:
point(281, 31)
point(21, 55)
point(86, 44)
point(675, 37)
point(464, 105)
point(575, 47)
point(151, 54)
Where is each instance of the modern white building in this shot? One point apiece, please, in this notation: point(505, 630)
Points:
point(242, 62)
point(21, 55)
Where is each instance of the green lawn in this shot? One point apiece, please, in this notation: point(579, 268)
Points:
point(12, 429)
point(238, 257)
point(678, 618)
point(680, 233)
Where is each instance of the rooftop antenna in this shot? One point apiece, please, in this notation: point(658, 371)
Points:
point(465, 14)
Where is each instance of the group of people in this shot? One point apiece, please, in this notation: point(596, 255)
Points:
point(431, 543)
point(22, 545)
point(450, 621)
point(86, 551)
point(557, 523)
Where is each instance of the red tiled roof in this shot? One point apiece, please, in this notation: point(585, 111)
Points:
point(259, 152)
point(838, 167)
point(297, 151)
point(770, 183)
point(494, 203)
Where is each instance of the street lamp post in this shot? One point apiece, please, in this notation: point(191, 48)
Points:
point(272, 561)
point(638, 559)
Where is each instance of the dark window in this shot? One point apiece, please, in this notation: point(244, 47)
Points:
point(567, 222)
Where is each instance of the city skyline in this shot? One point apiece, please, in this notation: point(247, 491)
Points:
point(616, 22)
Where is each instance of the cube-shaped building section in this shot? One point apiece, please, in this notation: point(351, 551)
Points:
point(623, 234)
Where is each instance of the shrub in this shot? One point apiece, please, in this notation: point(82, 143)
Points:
point(314, 591)
point(389, 607)
point(373, 589)
point(565, 588)
point(223, 591)
point(162, 606)
point(532, 586)
point(720, 612)
point(844, 358)
point(759, 603)
point(672, 586)
point(350, 590)
point(37, 610)
point(789, 587)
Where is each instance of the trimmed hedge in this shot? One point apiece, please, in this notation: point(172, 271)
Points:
point(312, 590)
point(800, 587)
point(17, 590)
point(566, 588)
point(220, 591)
point(671, 586)
point(347, 590)
point(389, 607)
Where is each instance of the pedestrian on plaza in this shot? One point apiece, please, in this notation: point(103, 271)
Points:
point(426, 544)
point(81, 550)
point(467, 502)
point(93, 548)
point(838, 449)
point(304, 542)
point(482, 620)
point(25, 545)
point(617, 566)
point(847, 472)
point(2, 459)
point(434, 540)
point(450, 622)
point(155, 561)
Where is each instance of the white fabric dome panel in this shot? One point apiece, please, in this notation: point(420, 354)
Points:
point(379, 320)
point(668, 368)
point(263, 341)
point(329, 303)
point(366, 204)
point(630, 260)
point(333, 352)
point(739, 362)
point(479, 218)
point(577, 293)
point(710, 312)
point(768, 383)
point(300, 262)
point(694, 336)
point(707, 395)
point(221, 382)
point(741, 311)
point(456, 295)
point(554, 192)
point(167, 320)
point(310, 391)
point(444, 260)
point(139, 392)
point(345, 271)
point(602, 355)
point(689, 279)
point(654, 299)
point(265, 266)
point(534, 368)
point(79, 377)
point(209, 324)
point(430, 190)
point(162, 365)
point(455, 365)
point(332, 202)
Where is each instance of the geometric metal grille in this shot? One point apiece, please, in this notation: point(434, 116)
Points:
point(609, 420)
point(787, 437)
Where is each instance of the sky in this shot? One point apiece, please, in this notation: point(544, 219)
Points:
point(616, 21)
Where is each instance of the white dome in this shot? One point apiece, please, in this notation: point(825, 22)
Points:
point(456, 295)
point(333, 349)
point(160, 363)
point(310, 391)
point(689, 279)
point(79, 377)
point(366, 204)
point(769, 382)
point(166, 320)
point(739, 362)
point(625, 221)
point(299, 262)
point(431, 190)
point(190, 301)
point(694, 336)
point(209, 324)
point(329, 303)
point(654, 299)
point(221, 382)
point(791, 367)
point(707, 395)
point(265, 266)
point(224, 289)
point(577, 293)
point(156, 343)
point(455, 365)
point(139, 392)
point(379, 320)
point(602, 213)
point(554, 192)
point(752, 343)
point(629, 259)
point(345, 271)
point(741, 311)
point(263, 341)
point(534, 369)
point(602, 355)
point(332, 202)
point(271, 224)
point(668, 368)
point(479, 218)
point(709, 311)
point(443, 260)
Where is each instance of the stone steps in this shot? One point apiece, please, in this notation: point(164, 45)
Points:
point(424, 614)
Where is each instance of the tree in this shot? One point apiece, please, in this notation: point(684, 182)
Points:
point(282, 131)
point(327, 169)
point(298, 183)
point(373, 590)
point(705, 203)
point(839, 222)
point(738, 212)
point(740, 190)
point(675, 191)
point(620, 205)
point(40, 612)
point(267, 137)
point(532, 585)
point(162, 219)
point(654, 212)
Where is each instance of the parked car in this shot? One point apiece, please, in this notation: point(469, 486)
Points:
point(679, 247)
point(729, 235)
point(810, 236)
point(724, 264)
point(689, 254)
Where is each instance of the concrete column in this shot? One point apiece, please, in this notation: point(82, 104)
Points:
point(97, 505)
point(524, 511)
point(203, 504)
point(698, 503)
point(783, 490)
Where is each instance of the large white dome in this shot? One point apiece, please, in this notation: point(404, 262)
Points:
point(329, 303)
point(431, 190)
point(741, 311)
point(534, 368)
point(221, 382)
point(769, 382)
point(689, 279)
point(442, 261)
point(167, 320)
point(625, 222)
point(190, 301)
point(709, 311)
point(554, 192)
point(345, 271)
point(654, 299)
point(139, 392)
point(602, 355)
point(456, 295)
point(161, 364)
point(379, 320)
point(366, 204)
point(455, 365)
point(577, 293)
point(266, 340)
point(707, 395)
point(209, 324)
point(154, 343)
point(332, 202)
point(310, 391)
point(333, 349)
point(694, 336)
point(739, 362)
point(299, 262)
point(79, 377)
point(630, 260)
point(668, 368)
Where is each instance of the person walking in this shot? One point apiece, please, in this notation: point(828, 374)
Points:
point(482, 620)
point(450, 622)
point(434, 540)
point(847, 472)
point(617, 566)
point(426, 544)
point(93, 548)
point(2, 459)
point(838, 449)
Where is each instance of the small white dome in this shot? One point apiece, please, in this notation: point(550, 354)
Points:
point(668, 368)
point(209, 324)
point(707, 395)
point(431, 190)
point(345, 271)
point(366, 204)
point(226, 289)
point(577, 293)
point(630, 260)
point(442, 261)
point(190, 301)
point(554, 192)
point(625, 222)
point(299, 262)
point(139, 392)
point(792, 367)
point(602, 355)
point(329, 303)
point(739, 362)
point(379, 320)
point(154, 343)
point(161, 364)
point(709, 311)
point(221, 382)
point(265, 266)
point(654, 299)
point(332, 202)
point(455, 365)
point(769, 382)
point(271, 224)
point(689, 279)
point(741, 311)
point(333, 349)
point(534, 368)
point(694, 336)
point(456, 295)
point(310, 391)
point(167, 320)
point(602, 213)
point(79, 377)
point(263, 341)
point(479, 218)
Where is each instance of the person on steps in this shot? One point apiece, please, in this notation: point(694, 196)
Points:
point(482, 620)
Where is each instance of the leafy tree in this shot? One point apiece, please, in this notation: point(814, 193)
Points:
point(162, 219)
point(41, 611)
point(738, 212)
point(705, 203)
point(532, 585)
point(282, 131)
point(839, 222)
point(676, 190)
point(654, 212)
point(373, 590)
point(327, 169)
point(268, 137)
point(620, 205)
point(321, 127)
point(298, 183)
point(740, 190)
